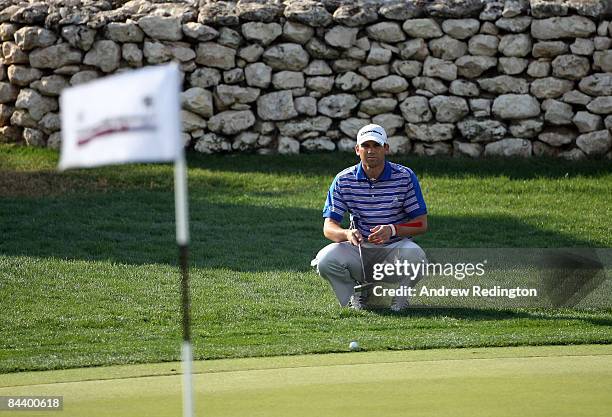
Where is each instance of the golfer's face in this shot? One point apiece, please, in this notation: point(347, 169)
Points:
point(372, 153)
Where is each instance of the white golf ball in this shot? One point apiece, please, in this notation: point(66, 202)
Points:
point(353, 345)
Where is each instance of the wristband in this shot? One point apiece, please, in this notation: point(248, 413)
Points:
point(393, 231)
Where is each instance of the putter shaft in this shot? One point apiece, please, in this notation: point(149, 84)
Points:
point(362, 285)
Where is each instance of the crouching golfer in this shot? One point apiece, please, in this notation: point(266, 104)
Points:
point(387, 208)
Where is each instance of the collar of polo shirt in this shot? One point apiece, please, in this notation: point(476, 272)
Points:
point(386, 174)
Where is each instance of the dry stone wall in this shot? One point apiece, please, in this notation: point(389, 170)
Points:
point(464, 77)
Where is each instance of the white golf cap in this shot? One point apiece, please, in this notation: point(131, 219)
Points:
point(372, 132)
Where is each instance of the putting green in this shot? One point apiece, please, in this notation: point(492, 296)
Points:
point(531, 381)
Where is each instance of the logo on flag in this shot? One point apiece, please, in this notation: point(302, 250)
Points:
point(109, 127)
point(131, 117)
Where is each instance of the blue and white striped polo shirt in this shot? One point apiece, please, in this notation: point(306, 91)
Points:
point(394, 198)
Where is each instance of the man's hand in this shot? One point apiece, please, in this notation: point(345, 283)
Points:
point(380, 234)
point(335, 232)
point(354, 236)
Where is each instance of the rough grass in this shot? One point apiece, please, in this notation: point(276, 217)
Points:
point(88, 270)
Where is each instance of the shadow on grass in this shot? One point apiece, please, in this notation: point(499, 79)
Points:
point(329, 164)
point(487, 314)
point(137, 227)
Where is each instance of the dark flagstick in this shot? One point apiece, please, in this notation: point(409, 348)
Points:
point(185, 298)
point(182, 239)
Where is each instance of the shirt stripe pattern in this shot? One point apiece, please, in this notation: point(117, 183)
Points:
point(395, 197)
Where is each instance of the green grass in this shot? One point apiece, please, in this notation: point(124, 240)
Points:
point(560, 381)
point(88, 270)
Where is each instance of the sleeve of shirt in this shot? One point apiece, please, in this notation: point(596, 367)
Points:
point(335, 207)
point(414, 205)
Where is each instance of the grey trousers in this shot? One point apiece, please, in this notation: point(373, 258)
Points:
point(339, 263)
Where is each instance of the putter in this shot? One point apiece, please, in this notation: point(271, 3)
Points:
point(363, 285)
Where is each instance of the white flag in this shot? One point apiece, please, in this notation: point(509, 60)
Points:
point(130, 117)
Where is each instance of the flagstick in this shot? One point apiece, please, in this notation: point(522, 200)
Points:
point(182, 239)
